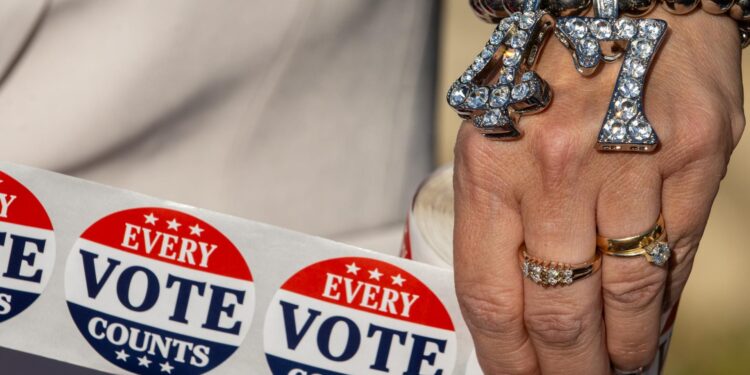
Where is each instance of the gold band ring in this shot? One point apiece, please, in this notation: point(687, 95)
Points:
point(547, 273)
point(651, 244)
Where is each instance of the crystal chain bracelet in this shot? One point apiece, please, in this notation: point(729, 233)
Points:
point(494, 10)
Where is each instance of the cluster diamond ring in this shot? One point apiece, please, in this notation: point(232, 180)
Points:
point(651, 244)
point(550, 274)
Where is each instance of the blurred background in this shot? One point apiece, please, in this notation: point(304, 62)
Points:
point(712, 335)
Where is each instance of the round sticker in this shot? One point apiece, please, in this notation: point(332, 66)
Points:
point(358, 316)
point(158, 291)
point(27, 248)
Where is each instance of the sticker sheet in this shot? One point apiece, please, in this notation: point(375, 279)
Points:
point(120, 282)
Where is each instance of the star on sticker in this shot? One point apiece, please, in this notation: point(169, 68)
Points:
point(122, 356)
point(196, 230)
point(173, 224)
point(352, 268)
point(398, 280)
point(375, 274)
point(144, 361)
point(151, 219)
point(166, 367)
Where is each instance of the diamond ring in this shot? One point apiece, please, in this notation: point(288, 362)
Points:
point(651, 244)
point(549, 274)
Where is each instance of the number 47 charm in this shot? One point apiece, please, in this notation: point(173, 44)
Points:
point(500, 85)
point(625, 126)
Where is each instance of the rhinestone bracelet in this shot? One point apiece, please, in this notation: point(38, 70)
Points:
point(493, 11)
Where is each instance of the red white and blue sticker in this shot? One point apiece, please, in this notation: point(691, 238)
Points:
point(358, 316)
point(158, 291)
point(27, 248)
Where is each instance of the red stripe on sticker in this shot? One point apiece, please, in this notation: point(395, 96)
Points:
point(371, 286)
point(172, 237)
point(406, 242)
point(19, 206)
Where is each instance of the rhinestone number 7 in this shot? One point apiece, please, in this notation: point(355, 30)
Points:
point(625, 126)
point(500, 85)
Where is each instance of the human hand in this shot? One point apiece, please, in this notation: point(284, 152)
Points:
point(552, 191)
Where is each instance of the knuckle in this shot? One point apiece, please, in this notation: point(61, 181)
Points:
point(702, 134)
point(473, 161)
point(687, 219)
point(704, 143)
point(522, 368)
point(467, 143)
point(493, 365)
point(634, 289)
point(558, 151)
point(490, 311)
point(477, 175)
point(493, 312)
point(562, 329)
point(631, 354)
point(684, 250)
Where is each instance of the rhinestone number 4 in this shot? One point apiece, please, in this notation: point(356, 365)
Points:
point(499, 85)
point(625, 126)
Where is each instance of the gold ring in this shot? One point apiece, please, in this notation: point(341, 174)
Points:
point(548, 274)
point(651, 244)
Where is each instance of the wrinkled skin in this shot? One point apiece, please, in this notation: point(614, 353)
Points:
point(552, 191)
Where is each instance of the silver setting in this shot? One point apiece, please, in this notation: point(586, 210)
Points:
point(499, 85)
point(658, 253)
point(740, 11)
point(716, 6)
point(606, 8)
point(636, 8)
point(680, 6)
point(547, 275)
point(566, 7)
point(554, 274)
point(625, 126)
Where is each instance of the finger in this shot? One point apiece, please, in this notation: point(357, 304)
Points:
point(564, 322)
point(632, 288)
point(487, 235)
point(687, 197)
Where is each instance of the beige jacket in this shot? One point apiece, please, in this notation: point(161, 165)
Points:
point(312, 115)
